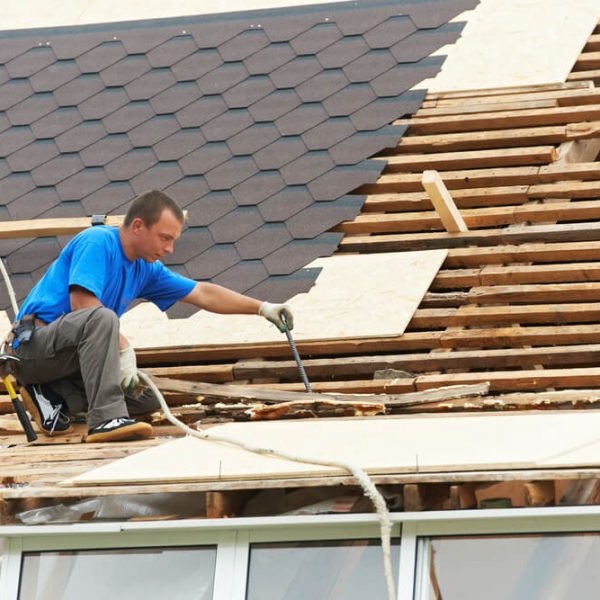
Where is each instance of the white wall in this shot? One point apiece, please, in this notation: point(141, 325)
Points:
point(25, 14)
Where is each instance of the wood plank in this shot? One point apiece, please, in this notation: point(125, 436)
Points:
point(566, 189)
point(561, 171)
point(566, 97)
point(474, 159)
point(575, 232)
point(537, 253)
point(591, 75)
point(507, 337)
point(464, 198)
point(526, 314)
point(587, 61)
point(502, 91)
point(536, 117)
point(50, 227)
point(536, 293)
point(593, 44)
point(516, 380)
point(504, 138)
point(422, 362)
point(442, 202)
point(192, 354)
point(552, 273)
point(469, 178)
point(207, 373)
point(465, 109)
point(474, 218)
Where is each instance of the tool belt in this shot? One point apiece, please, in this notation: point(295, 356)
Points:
point(21, 332)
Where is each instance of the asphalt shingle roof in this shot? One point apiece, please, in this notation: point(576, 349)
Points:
point(258, 123)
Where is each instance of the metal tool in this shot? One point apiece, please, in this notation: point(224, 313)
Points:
point(5, 360)
point(296, 355)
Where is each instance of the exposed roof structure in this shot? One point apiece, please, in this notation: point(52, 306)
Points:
point(259, 124)
point(510, 319)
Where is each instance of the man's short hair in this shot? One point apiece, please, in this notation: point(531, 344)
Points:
point(149, 206)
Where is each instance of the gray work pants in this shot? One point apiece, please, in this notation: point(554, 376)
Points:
point(78, 355)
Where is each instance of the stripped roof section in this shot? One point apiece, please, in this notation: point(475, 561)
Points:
point(258, 123)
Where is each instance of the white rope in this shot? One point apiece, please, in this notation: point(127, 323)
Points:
point(363, 479)
point(9, 287)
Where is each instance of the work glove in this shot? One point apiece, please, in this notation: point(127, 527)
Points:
point(276, 313)
point(128, 374)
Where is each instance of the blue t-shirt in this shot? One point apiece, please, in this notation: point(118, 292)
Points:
point(94, 259)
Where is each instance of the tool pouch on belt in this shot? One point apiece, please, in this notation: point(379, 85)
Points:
point(22, 330)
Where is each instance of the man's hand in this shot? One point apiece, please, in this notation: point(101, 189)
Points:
point(128, 375)
point(276, 314)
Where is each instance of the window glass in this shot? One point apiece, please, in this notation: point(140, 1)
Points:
point(148, 573)
point(513, 567)
point(340, 570)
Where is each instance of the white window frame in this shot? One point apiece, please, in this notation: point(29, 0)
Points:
point(233, 538)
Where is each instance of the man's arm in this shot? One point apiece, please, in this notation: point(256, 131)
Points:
point(82, 298)
point(218, 299)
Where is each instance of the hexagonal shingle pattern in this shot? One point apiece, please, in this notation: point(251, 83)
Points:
point(260, 124)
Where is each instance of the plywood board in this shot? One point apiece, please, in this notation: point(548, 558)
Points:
point(516, 42)
point(380, 446)
point(354, 296)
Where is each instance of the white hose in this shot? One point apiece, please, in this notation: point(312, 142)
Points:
point(9, 287)
point(363, 479)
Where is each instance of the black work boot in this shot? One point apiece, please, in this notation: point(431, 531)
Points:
point(46, 408)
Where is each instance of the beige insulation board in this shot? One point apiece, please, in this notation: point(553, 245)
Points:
point(408, 444)
point(515, 43)
point(354, 296)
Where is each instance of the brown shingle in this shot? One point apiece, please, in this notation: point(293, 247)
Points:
point(126, 70)
point(80, 136)
point(34, 203)
point(235, 225)
point(57, 169)
point(210, 207)
point(158, 176)
point(188, 190)
point(14, 91)
point(194, 66)
point(128, 166)
point(79, 89)
point(316, 38)
point(108, 198)
point(179, 144)
point(31, 109)
point(263, 241)
point(172, 51)
point(258, 187)
point(55, 75)
point(56, 122)
point(105, 150)
point(30, 62)
point(150, 84)
point(100, 57)
point(270, 109)
point(243, 45)
point(299, 253)
point(32, 155)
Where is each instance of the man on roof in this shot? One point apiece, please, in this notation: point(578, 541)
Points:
point(72, 357)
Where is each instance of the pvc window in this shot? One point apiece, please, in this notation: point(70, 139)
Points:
point(349, 569)
point(519, 567)
point(149, 573)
